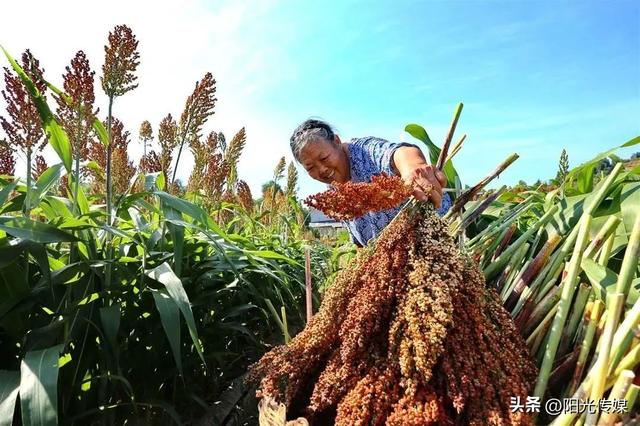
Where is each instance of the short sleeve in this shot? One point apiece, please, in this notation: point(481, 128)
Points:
point(380, 153)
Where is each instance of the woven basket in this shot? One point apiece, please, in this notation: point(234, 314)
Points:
point(270, 413)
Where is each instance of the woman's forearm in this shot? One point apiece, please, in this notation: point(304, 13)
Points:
point(407, 158)
point(413, 168)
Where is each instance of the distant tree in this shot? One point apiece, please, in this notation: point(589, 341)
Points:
point(604, 166)
point(270, 184)
point(635, 156)
point(563, 167)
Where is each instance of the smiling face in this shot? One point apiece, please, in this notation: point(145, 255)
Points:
point(326, 161)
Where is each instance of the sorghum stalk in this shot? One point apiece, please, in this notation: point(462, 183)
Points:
point(498, 226)
point(543, 324)
point(505, 279)
point(513, 280)
point(505, 238)
point(456, 148)
point(630, 360)
point(551, 283)
point(108, 265)
point(571, 281)
point(605, 251)
point(283, 312)
point(442, 158)
point(536, 295)
point(618, 392)
point(615, 301)
point(610, 226)
point(624, 334)
point(630, 260)
point(534, 269)
point(556, 265)
point(273, 311)
point(526, 294)
point(504, 257)
point(541, 309)
point(576, 314)
point(471, 192)
point(632, 396)
point(470, 216)
point(585, 347)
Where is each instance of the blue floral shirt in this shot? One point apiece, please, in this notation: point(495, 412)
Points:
point(370, 156)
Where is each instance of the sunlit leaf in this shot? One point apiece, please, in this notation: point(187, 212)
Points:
point(9, 387)
point(170, 318)
point(39, 387)
point(165, 275)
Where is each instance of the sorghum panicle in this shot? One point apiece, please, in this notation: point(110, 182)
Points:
point(7, 159)
point(198, 107)
point(23, 126)
point(353, 199)
point(120, 63)
point(39, 167)
point(150, 163)
point(77, 116)
point(146, 133)
point(244, 196)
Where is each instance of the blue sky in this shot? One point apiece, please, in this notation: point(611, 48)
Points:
point(535, 76)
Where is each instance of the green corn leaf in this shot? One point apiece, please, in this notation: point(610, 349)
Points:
point(177, 237)
point(170, 318)
point(9, 386)
point(14, 288)
point(630, 204)
point(101, 131)
point(420, 133)
point(603, 281)
point(594, 161)
point(56, 136)
point(50, 177)
point(9, 253)
point(183, 206)
point(39, 252)
point(269, 254)
point(95, 167)
point(4, 193)
point(73, 223)
point(154, 181)
point(82, 201)
point(600, 277)
point(39, 387)
point(56, 207)
point(165, 275)
point(110, 318)
point(39, 232)
point(585, 179)
point(13, 205)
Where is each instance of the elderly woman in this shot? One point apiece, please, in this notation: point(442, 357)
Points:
point(326, 158)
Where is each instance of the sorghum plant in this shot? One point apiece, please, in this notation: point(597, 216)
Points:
point(23, 126)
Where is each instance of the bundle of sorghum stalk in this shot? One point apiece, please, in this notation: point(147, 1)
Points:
point(406, 335)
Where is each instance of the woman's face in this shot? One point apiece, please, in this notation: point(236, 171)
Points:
point(326, 161)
